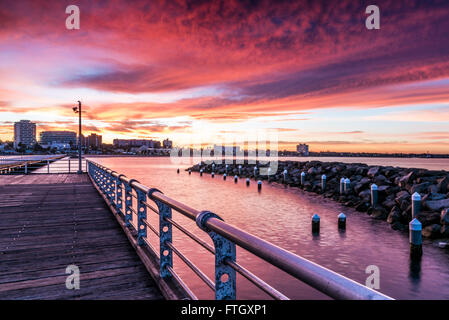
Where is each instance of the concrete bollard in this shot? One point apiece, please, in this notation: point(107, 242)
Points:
point(323, 182)
point(255, 171)
point(190, 171)
point(212, 174)
point(347, 186)
point(303, 178)
point(201, 172)
point(236, 178)
point(342, 185)
point(240, 170)
point(342, 221)
point(224, 176)
point(285, 174)
point(259, 185)
point(415, 229)
point(247, 181)
point(416, 204)
point(374, 196)
point(226, 168)
point(315, 223)
point(177, 170)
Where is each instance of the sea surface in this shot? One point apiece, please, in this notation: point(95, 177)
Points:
point(282, 216)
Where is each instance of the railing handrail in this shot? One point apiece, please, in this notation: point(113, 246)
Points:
point(324, 280)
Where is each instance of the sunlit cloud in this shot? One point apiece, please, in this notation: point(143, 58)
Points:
point(161, 69)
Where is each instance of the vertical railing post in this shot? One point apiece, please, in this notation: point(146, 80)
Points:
point(48, 166)
point(113, 187)
point(26, 167)
point(69, 165)
point(225, 276)
point(141, 216)
point(128, 204)
point(165, 235)
point(119, 195)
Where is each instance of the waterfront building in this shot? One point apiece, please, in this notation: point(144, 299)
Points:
point(121, 143)
point(24, 133)
point(60, 138)
point(303, 149)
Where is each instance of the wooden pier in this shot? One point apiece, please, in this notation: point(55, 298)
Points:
point(48, 222)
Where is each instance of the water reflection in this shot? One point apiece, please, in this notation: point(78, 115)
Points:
point(283, 216)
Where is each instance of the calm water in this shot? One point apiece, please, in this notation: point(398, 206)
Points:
point(282, 215)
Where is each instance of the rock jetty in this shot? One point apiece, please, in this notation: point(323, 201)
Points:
point(395, 187)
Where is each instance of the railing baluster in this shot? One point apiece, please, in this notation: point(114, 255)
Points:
point(128, 204)
point(119, 195)
point(141, 216)
point(165, 236)
point(225, 275)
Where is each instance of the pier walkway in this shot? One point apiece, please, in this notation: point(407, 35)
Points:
point(48, 222)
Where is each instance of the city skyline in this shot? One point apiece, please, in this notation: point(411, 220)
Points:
point(193, 73)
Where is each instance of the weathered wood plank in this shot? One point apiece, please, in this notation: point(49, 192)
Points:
point(48, 222)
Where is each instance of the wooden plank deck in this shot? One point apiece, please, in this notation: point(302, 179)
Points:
point(48, 222)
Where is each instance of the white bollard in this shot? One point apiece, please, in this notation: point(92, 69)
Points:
point(347, 186)
point(342, 185)
point(416, 204)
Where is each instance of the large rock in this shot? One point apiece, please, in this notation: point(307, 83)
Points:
point(365, 194)
point(428, 218)
point(401, 196)
point(420, 188)
point(395, 216)
point(432, 231)
point(378, 213)
point(443, 184)
point(436, 196)
point(437, 205)
point(398, 226)
point(407, 179)
point(373, 171)
point(312, 171)
point(444, 219)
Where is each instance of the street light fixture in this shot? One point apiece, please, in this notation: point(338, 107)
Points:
point(78, 110)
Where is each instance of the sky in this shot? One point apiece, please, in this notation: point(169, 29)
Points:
point(204, 72)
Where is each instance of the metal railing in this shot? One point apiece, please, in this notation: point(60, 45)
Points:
point(40, 164)
point(120, 192)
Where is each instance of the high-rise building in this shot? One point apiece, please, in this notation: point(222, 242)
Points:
point(167, 144)
point(91, 141)
point(57, 137)
point(303, 149)
point(24, 133)
point(94, 140)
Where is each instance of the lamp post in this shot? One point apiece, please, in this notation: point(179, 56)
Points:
point(78, 110)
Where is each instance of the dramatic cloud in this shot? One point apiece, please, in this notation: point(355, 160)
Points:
point(137, 64)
